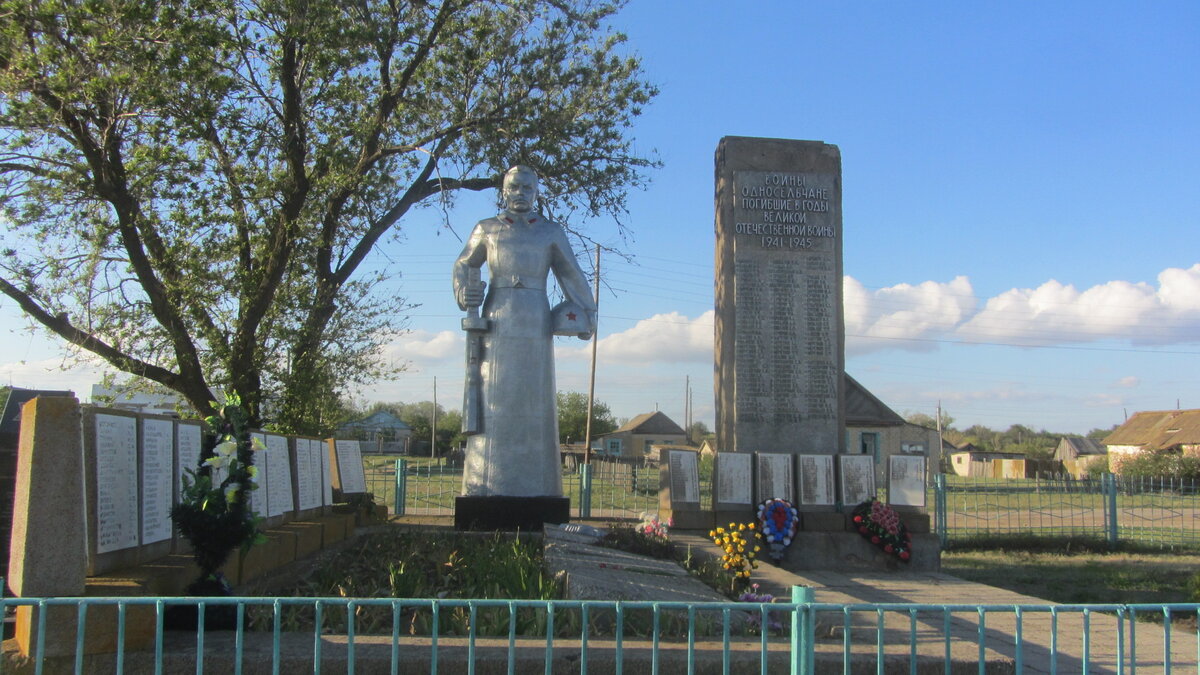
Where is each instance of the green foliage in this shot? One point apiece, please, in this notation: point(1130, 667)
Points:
point(697, 432)
point(190, 188)
point(1161, 464)
point(214, 513)
point(572, 417)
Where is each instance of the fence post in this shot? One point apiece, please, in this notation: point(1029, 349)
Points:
point(939, 507)
point(401, 486)
point(1108, 483)
point(585, 490)
point(803, 649)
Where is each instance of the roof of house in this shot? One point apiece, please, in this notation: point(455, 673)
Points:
point(380, 419)
point(1084, 446)
point(864, 410)
point(653, 423)
point(1158, 429)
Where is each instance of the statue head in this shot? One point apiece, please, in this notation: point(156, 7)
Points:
point(520, 191)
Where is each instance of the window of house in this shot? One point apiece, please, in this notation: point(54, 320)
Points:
point(869, 444)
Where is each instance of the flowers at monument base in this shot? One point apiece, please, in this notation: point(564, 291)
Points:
point(880, 524)
point(779, 521)
point(740, 546)
point(651, 526)
point(756, 618)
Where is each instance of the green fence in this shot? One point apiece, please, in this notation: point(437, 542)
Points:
point(1147, 511)
point(347, 635)
point(420, 486)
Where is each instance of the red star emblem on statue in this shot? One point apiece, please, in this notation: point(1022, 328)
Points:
point(570, 316)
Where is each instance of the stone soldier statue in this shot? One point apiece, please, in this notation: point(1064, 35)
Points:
point(509, 411)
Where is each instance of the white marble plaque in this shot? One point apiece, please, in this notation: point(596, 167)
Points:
point(258, 498)
point(734, 481)
point(188, 440)
point(906, 480)
point(326, 476)
point(304, 475)
point(685, 477)
point(157, 474)
point(279, 485)
point(116, 483)
point(774, 476)
point(816, 480)
point(350, 467)
point(858, 478)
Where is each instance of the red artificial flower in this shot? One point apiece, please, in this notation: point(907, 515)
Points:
point(874, 540)
point(904, 555)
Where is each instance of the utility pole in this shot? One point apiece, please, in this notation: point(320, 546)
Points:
point(941, 443)
point(587, 433)
point(433, 422)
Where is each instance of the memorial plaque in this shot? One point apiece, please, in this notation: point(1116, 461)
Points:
point(157, 474)
point(279, 482)
point(326, 477)
point(116, 483)
point(685, 477)
point(733, 482)
point(816, 480)
point(188, 442)
point(779, 325)
point(308, 475)
point(774, 476)
point(350, 467)
point(906, 480)
point(258, 498)
point(857, 478)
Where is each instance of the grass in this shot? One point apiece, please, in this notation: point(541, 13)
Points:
point(1080, 571)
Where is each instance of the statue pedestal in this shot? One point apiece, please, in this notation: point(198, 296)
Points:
point(510, 513)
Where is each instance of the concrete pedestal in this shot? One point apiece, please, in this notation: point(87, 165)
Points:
point(510, 513)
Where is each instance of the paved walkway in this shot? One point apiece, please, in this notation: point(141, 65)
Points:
point(1065, 642)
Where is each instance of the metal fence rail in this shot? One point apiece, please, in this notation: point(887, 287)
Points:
point(1148, 511)
point(431, 635)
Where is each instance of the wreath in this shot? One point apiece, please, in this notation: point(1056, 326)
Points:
point(880, 523)
point(779, 520)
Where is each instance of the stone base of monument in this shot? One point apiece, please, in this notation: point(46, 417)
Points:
point(846, 551)
point(509, 513)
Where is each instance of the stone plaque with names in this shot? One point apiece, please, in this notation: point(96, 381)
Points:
point(350, 467)
point(279, 484)
point(326, 477)
point(779, 323)
point(156, 478)
point(307, 484)
point(116, 483)
point(857, 478)
point(733, 482)
point(258, 497)
point(685, 478)
point(188, 440)
point(774, 476)
point(816, 480)
point(906, 480)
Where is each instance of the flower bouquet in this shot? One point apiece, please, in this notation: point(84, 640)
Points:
point(879, 523)
point(779, 521)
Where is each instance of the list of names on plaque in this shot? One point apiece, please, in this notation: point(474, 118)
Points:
point(188, 439)
point(733, 478)
point(816, 480)
point(906, 480)
point(279, 495)
point(116, 483)
point(306, 482)
point(858, 478)
point(326, 477)
point(350, 468)
point(685, 477)
point(157, 464)
point(774, 476)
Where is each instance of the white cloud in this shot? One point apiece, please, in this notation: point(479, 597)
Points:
point(663, 338)
point(426, 346)
point(1129, 381)
point(900, 316)
point(50, 374)
point(1054, 313)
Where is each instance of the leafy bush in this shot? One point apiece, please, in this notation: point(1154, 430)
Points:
point(1161, 464)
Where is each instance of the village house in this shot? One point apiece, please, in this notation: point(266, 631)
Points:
point(1154, 430)
point(1078, 454)
point(634, 438)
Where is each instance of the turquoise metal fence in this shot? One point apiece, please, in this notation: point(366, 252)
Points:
point(1148, 511)
point(455, 636)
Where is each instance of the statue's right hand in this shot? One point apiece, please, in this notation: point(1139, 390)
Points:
point(473, 294)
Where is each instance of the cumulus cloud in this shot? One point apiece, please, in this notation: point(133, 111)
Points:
point(1129, 382)
point(663, 338)
point(901, 316)
point(1056, 313)
point(426, 346)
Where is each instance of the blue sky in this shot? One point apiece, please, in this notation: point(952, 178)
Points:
point(1021, 196)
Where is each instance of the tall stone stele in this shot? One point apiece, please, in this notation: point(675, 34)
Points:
point(780, 337)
